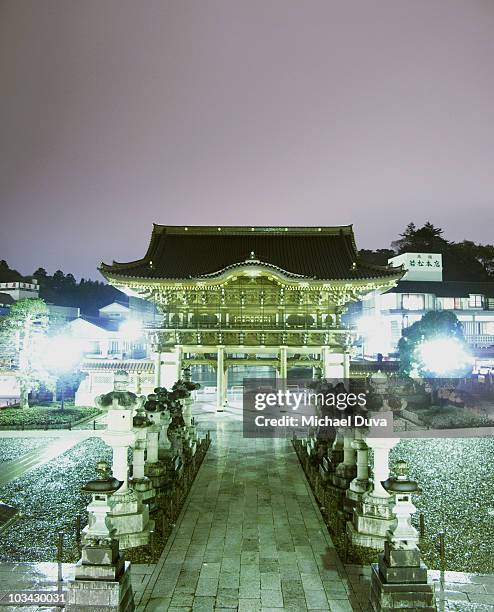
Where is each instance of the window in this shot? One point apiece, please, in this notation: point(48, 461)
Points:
point(489, 328)
point(475, 301)
point(449, 303)
point(412, 301)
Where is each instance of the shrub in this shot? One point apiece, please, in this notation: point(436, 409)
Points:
point(45, 415)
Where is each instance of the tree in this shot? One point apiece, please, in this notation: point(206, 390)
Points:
point(461, 260)
point(437, 328)
point(22, 332)
point(40, 273)
point(7, 275)
point(426, 239)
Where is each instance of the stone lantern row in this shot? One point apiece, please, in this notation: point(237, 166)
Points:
point(159, 436)
point(157, 432)
point(375, 511)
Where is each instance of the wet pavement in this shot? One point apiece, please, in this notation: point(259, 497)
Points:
point(250, 537)
point(455, 591)
point(43, 577)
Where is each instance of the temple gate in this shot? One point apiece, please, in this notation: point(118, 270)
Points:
point(251, 296)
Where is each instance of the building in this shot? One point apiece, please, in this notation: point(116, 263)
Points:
point(13, 291)
point(134, 309)
point(20, 290)
point(113, 341)
point(107, 346)
point(116, 311)
point(245, 296)
point(59, 315)
point(421, 290)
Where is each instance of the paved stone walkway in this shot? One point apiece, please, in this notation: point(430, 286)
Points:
point(250, 538)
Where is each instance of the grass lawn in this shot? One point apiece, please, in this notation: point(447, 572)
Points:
point(40, 416)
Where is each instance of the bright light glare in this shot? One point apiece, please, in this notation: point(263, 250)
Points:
point(62, 353)
point(443, 356)
point(377, 335)
point(131, 330)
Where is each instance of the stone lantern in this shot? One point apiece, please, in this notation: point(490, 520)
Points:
point(188, 403)
point(399, 580)
point(373, 513)
point(164, 444)
point(359, 485)
point(121, 404)
point(379, 382)
point(346, 471)
point(128, 516)
point(102, 576)
point(155, 466)
point(141, 484)
point(98, 527)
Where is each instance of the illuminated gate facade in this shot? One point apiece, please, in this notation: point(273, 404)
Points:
point(250, 296)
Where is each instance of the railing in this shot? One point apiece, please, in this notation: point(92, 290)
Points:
point(372, 367)
point(480, 340)
point(251, 327)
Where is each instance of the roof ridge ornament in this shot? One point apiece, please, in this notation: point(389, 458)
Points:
point(253, 258)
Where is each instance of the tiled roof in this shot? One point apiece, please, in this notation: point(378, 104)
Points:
point(446, 288)
point(118, 364)
point(191, 252)
point(103, 323)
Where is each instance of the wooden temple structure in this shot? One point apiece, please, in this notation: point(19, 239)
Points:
point(250, 296)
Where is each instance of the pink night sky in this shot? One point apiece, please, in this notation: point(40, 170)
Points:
point(118, 114)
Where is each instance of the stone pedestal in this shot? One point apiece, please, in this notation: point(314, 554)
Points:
point(373, 513)
point(347, 470)
point(164, 444)
point(310, 445)
point(105, 588)
point(190, 388)
point(190, 447)
point(139, 482)
point(154, 468)
point(360, 484)
point(176, 429)
point(335, 455)
point(152, 435)
point(130, 519)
